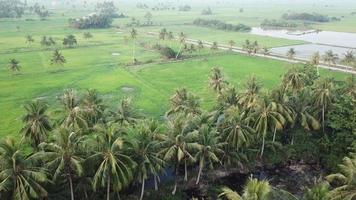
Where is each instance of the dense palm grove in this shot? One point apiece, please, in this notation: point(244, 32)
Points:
point(85, 149)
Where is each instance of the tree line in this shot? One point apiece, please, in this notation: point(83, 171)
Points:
point(89, 150)
point(217, 24)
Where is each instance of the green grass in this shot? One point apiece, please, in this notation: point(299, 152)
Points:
point(92, 65)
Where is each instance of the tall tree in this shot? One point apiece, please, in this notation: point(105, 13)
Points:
point(14, 65)
point(330, 58)
point(114, 169)
point(184, 102)
point(349, 59)
point(236, 130)
point(70, 41)
point(92, 107)
point(37, 124)
point(133, 34)
point(209, 148)
point(63, 156)
point(291, 53)
point(29, 39)
point(250, 96)
point(214, 47)
point(253, 190)
point(346, 180)
point(315, 60)
point(216, 80)
point(323, 96)
point(267, 116)
point(178, 146)
point(144, 146)
point(232, 43)
point(20, 178)
point(294, 79)
point(73, 116)
point(57, 58)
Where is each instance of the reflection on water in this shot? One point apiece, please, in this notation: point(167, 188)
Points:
point(305, 51)
point(323, 37)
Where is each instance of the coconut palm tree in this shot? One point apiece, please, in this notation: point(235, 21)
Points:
point(92, 106)
point(57, 58)
point(182, 38)
point(178, 145)
point(323, 96)
point(209, 149)
point(291, 53)
point(126, 114)
point(63, 157)
point(349, 58)
point(14, 65)
point(184, 102)
point(346, 180)
point(214, 47)
point(250, 96)
point(319, 192)
point(268, 116)
point(29, 39)
point(231, 44)
point(236, 129)
point(200, 45)
point(294, 79)
point(266, 51)
point(133, 34)
point(144, 148)
point(20, 178)
point(73, 116)
point(315, 60)
point(302, 106)
point(70, 41)
point(114, 169)
point(228, 97)
point(330, 58)
point(37, 124)
point(253, 190)
point(216, 80)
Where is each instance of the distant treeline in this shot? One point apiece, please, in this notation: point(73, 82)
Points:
point(106, 12)
point(11, 8)
point(314, 17)
point(217, 24)
point(278, 23)
point(92, 21)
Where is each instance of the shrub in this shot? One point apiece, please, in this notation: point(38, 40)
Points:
point(168, 52)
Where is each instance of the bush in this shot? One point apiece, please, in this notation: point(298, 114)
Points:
point(168, 52)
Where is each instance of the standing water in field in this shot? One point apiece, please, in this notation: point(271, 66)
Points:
point(340, 39)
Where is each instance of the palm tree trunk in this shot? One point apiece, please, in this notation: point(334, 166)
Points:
point(156, 184)
point(317, 69)
point(133, 51)
point(199, 173)
point(71, 187)
point(142, 188)
point(263, 146)
point(175, 179)
point(185, 170)
point(274, 134)
point(108, 189)
point(323, 116)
